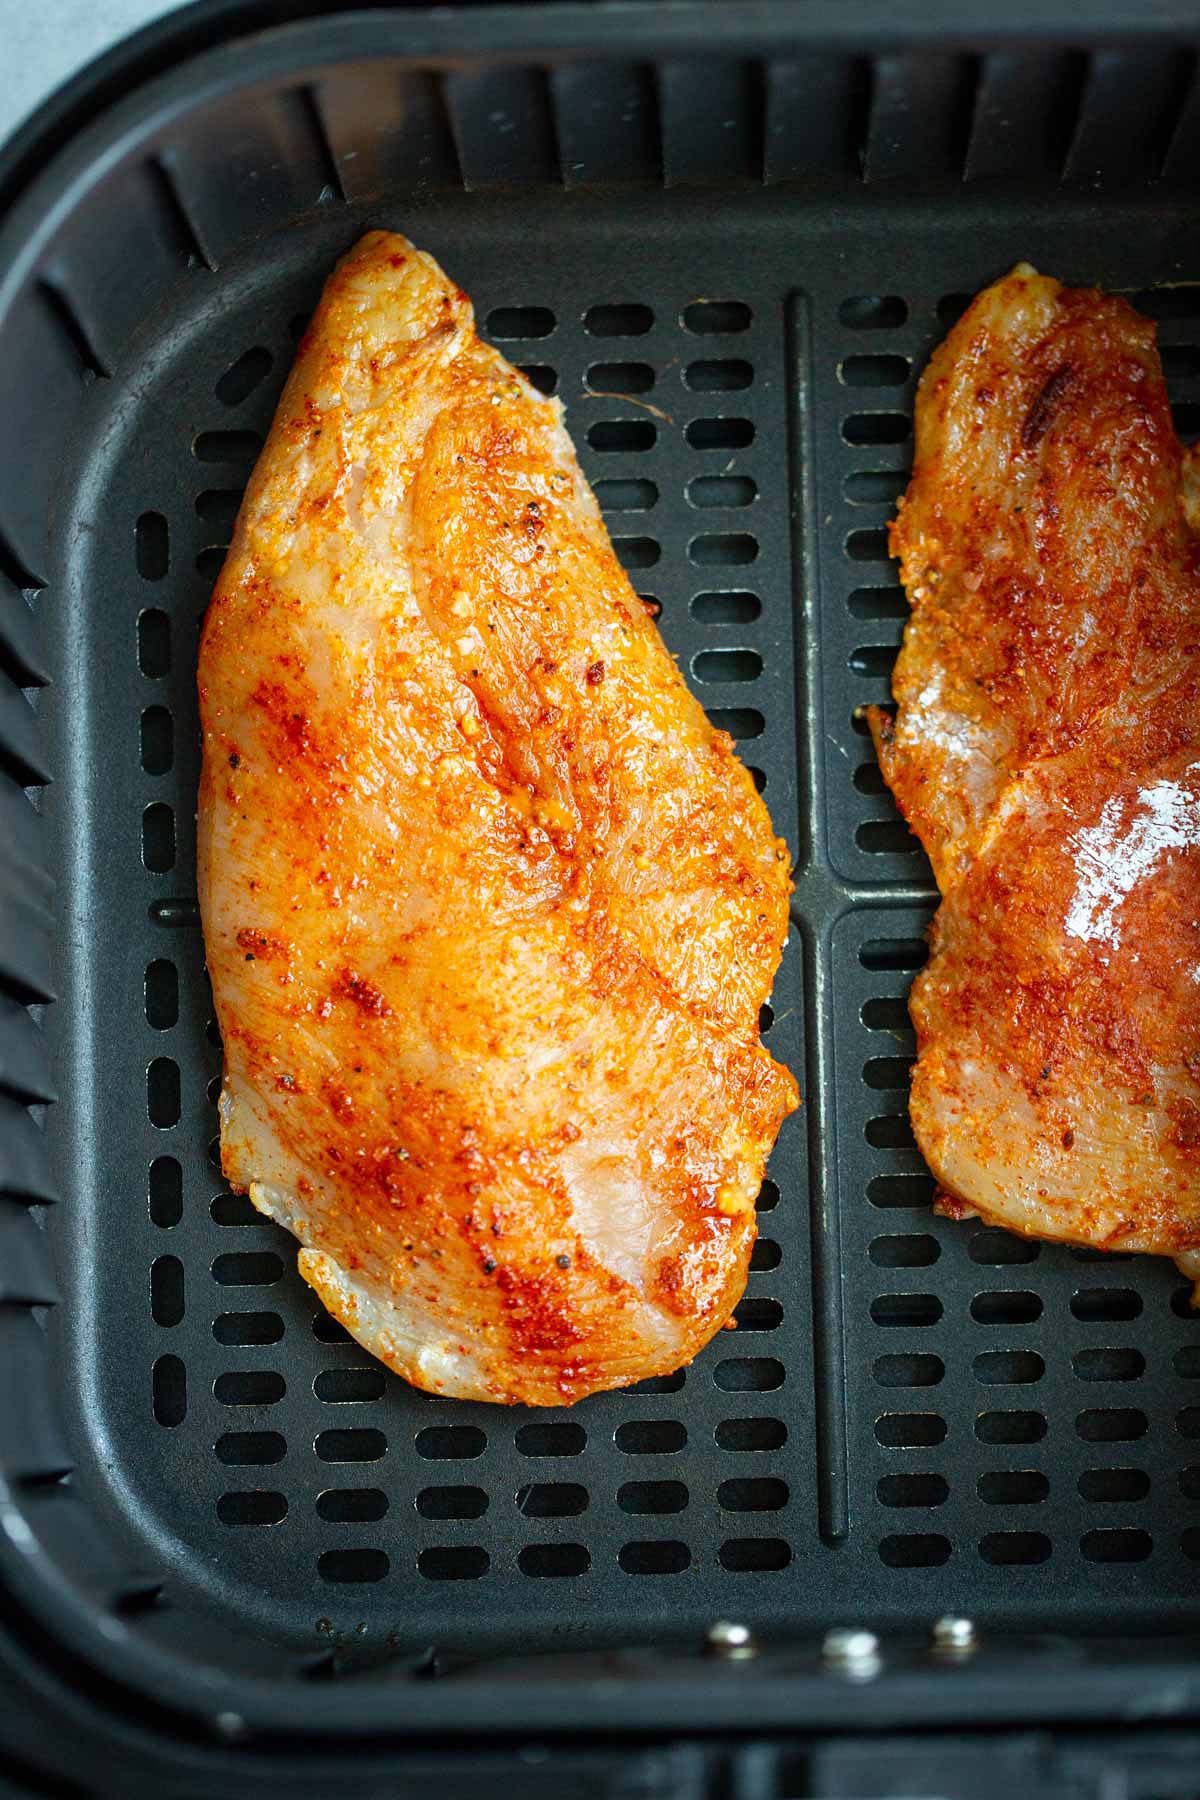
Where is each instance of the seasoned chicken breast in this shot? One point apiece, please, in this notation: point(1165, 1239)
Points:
point(1046, 749)
point(489, 908)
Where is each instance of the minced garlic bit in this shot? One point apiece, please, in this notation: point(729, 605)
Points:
point(734, 1198)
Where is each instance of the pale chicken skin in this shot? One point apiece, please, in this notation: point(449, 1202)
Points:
point(489, 908)
point(1046, 750)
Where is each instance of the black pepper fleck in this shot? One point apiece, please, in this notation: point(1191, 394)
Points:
point(489, 1267)
point(235, 761)
point(249, 956)
point(563, 1261)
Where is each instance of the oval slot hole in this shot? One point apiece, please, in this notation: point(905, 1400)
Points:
point(748, 1435)
point(169, 1389)
point(152, 546)
point(242, 377)
point(711, 318)
point(873, 312)
point(720, 434)
point(618, 321)
point(617, 380)
point(718, 375)
point(352, 1506)
point(515, 322)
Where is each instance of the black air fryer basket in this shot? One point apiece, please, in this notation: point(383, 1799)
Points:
point(728, 236)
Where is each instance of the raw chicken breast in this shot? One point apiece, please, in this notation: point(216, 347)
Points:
point(490, 909)
point(1046, 750)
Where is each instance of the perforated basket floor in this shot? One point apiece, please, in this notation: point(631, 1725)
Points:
point(913, 1416)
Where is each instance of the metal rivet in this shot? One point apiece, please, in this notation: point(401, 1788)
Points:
point(852, 1652)
point(230, 1725)
point(734, 1642)
point(951, 1633)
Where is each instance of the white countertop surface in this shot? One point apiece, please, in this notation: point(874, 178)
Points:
point(45, 41)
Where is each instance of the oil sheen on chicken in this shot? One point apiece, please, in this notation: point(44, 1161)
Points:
point(489, 908)
point(1046, 750)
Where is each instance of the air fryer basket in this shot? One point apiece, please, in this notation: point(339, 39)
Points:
point(728, 238)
